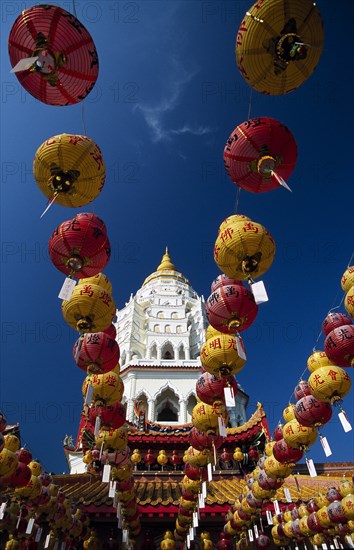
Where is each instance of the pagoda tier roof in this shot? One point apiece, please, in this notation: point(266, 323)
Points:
point(178, 435)
point(160, 492)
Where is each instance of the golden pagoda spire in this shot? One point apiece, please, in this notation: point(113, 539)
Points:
point(166, 262)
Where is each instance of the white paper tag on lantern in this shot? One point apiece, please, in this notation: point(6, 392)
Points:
point(276, 507)
point(240, 347)
point(210, 472)
point(250, 535)
point(97, 426)
point(67, 289)
point(106, 473)
point(281, 181)
point(324, 546)
point(38, 535)
point(29, 526)
point(89, 394)
point(344, 421)
point(2, 509)
point(195, 519)
point(336, 545)
point(24, 64)
point(255, 529)
point(201, 502)
point(325, 446)
point(204, 489)
point(222, 427)
point(287, 494)
point(191, 533)
point(269, 517)
point(311, 467)
point(349, 540)
point(124, 536)
point(78, 348)
point(112, 489)
point(229, 397)
point(331, 546)
point(47, 541)
point(188, 542)
point(259, 292)
point(18, 521)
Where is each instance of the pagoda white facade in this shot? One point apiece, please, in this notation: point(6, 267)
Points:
point(160, 332)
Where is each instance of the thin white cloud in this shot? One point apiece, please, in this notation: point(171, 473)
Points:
point(154, 114)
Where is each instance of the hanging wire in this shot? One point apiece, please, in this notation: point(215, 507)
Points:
point(250, 105)
point(321, 332)
point(83, 117)
point(238, 193)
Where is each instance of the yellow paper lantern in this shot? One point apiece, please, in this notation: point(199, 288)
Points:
point(162, 458)
point(318, 539)
point(348, 506)
point(329, 384)
point(136, 456)
point(89, 309)
point(346, 487)
point(318, 359)
point(211, 332)
point(269, 448)
point(112, 439)
point(238, 455)
point(275, 469)
point(298, 436)
point(287, 516)
point(12, 543)
point(323, 517)
point(206, 417)
point(303, 511)
point(70, 168)
point(219, 356)
point(108, 388)
point(289, 412)
point(198, 458)
point(304, 528)
point(349, 302)
point(347, 280)
point(277, 58)
point(35, 467)
point(243, 249)
point(190, 485)
point(8, 462)
point(260, 493)
point(100, 280)
point(32, 489)
point(11, 442)
point(287, 529)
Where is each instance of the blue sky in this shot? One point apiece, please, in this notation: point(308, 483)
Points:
point(167, 98)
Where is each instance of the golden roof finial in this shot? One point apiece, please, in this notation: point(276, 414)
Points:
point(166, 262)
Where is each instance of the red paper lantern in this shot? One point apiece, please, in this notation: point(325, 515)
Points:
point(111, 331)
point(267, 483)
point(253, 453)
point(339, 346)
point(196, 472)
point(96, 353)
point(259, 154)
point(113, 416)
point(336, 512)
point(335, 320)
point(312, 506)
point(175, 459)
point(278, 432)
point(333, 494)
point(21, 475)
point(80, 247)
point(210, 388)
point(24, 455)
point(225, 456)
point(67, 66)
point(149, 457)
point(231, 308)
point(263, 541)
point(301, 390)
point(311, 412)
point(285, 454)
point(314, 524)
point(224, 280)
point(200, 440)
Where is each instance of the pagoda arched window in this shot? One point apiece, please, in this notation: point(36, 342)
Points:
point(153, 352)
point(179, 329)
point(191, 403)
point(160, 314)
point(181, 353)
point(167, 351)
point(167, 406)
point(123, 358)
point(157, 328)
point(174, 315)
point(168, 329)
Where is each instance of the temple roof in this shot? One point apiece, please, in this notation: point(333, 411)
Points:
point(166, 268)
point(163, 489)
